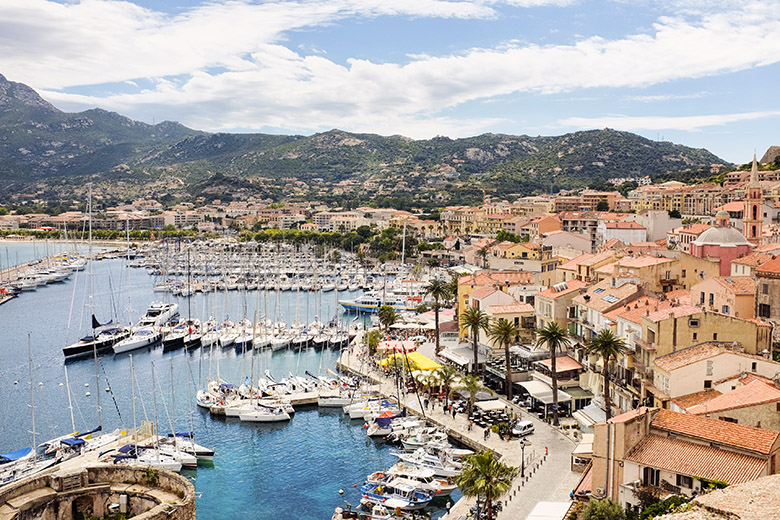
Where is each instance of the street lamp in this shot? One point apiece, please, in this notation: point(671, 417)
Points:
point(522, 460)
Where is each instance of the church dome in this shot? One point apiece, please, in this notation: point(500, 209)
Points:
point(722, 214)
point(722, 236)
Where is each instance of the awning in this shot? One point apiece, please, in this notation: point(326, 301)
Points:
point(397, 346)
point(589, 416)
point(417, 361)
point(489, 406)
point(542, 391)
point(455, 357)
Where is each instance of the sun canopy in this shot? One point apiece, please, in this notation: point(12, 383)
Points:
point(416, 360)
point(73, 441)
point(542, 391)
point(14, 455)
point(489, 406)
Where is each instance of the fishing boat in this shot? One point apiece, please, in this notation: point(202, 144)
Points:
point(398, 493)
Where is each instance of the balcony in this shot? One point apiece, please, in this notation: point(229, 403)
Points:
point(645, 345)
point(644, 371)
point(669, 279)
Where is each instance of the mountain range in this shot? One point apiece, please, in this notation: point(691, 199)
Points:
point(43, 146)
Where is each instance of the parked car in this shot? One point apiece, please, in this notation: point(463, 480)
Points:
point(522, 428)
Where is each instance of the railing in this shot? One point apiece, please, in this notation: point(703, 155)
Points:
point(646, 345)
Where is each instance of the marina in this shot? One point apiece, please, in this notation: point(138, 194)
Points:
point(263, 457)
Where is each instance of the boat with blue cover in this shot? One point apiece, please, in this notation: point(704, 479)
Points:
point(398, 493)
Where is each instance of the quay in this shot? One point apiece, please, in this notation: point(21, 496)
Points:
point(548, 475)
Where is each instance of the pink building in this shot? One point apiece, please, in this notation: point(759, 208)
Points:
point(722, 241)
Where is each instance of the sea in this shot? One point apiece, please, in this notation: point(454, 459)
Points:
point(303, 469)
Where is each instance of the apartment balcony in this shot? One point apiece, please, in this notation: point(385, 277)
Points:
point(645, 372)
point(645, 345)
point(669, 279)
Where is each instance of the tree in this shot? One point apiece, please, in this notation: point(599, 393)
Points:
point(675, 213)
point(372, 340)
point(554, 337)
point(603, 205)
point(474, 320)
point(608, 346)
point(483, 253)
point(484, 476)
point(504, 333)
point(447, 376)
point(471, 384)
point(439, 290)
point(603, 510)
point(387, 316)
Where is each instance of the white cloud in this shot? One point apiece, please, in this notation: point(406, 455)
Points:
point(664, 97)
point(224, 65)
point(688, 123)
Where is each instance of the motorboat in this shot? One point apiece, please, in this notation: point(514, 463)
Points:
point(141, 337)
point(424, 479)
point(398, 493)
point(157, 314)
point(442, 467)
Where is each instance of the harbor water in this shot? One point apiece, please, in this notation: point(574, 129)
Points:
point(282, 470)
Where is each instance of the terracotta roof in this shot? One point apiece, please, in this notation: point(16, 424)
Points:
point(625, 417)
point(746, 378)
point(739, 284)
point(688, 356)
point(624, 225)
point(731, 434)
point(613, 243)
point(678, 312)
point(751, 394)
point(483, 292)
point(598, 257)
point(517, 308)
point(682, 296)
point(732, 206)
point(500, 277)
point(642, 261)
point(772, 266)
point(634, 310)
point(572, 264)
point(585, 485)
point(687, 401)
point(693, 229)
point(571, 286)
point(562, 364)
point(602, 296)
point(696, 460)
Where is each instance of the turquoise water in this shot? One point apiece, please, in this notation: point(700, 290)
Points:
point(260, 471)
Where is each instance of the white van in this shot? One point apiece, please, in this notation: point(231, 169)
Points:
point(523, 428)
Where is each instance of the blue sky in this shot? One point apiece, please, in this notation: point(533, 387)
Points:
point(703, 73)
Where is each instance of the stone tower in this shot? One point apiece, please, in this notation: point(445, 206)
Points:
point(753, 217)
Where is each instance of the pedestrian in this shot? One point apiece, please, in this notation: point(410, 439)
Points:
point(454, 411)
point(425, 402)
point(471, 423)
point(485, 433)
point(449, 506)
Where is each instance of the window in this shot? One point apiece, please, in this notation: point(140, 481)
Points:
point(701, 298)
point(693, 322)
point(712, 299)
point(725, 309)
point(684, 481)
point(763, 310)
point(599, 290)
point(754, 366)
point(764, 288)
point(683, 273)
point(652, 476)
point(729, 419)
point(695, 336)
point(714, 336)
point(709, 367)
point(707, 384)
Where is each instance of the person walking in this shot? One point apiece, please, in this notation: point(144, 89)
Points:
point(454, 411)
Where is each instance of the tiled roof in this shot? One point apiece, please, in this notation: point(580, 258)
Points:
point(598, 257)
point(714, 430)
point(751, 394)
point(603, 296)
point(693, 229)
point(678, 312)
point(572, 286)
point(642, 261)
point(696, 460)
point(634, 310)
point(562, 364)
point(772, 266)
point(687, 356)
point(732, 206)
point(572, 264)
point(739, 284)
point(517, 308)
point(624, 225)
point(483, 292)
point(745, 378)
point(500, 277)
point(687, 401)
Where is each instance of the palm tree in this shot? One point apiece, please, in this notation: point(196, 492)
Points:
point(453, 289)
point(447, 377)
point(608, 346)
point(555, 337)
point(440, 291)
point(483, 253)
point(474, 320)
point(471, 384)
point(387, 316)
point(504, 333)
point(484, 476)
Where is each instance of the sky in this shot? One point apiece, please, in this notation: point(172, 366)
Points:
point(703, 73)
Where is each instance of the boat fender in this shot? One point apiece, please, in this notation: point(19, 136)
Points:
point(354, 485)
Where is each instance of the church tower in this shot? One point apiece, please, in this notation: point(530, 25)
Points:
point(753, 216)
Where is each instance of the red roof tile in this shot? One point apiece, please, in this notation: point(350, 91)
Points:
point(751, 394)
point(696, 460)
point(737, 435)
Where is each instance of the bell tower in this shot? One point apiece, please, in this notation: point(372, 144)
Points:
point(753, 216)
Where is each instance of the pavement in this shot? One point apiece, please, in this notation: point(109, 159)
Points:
point(548, 475)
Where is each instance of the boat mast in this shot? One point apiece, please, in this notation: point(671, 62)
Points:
point(32, 393)
point(132, 385)
point(92, 307)
point(154, 426)
point(70, 401)
point(403, 245)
